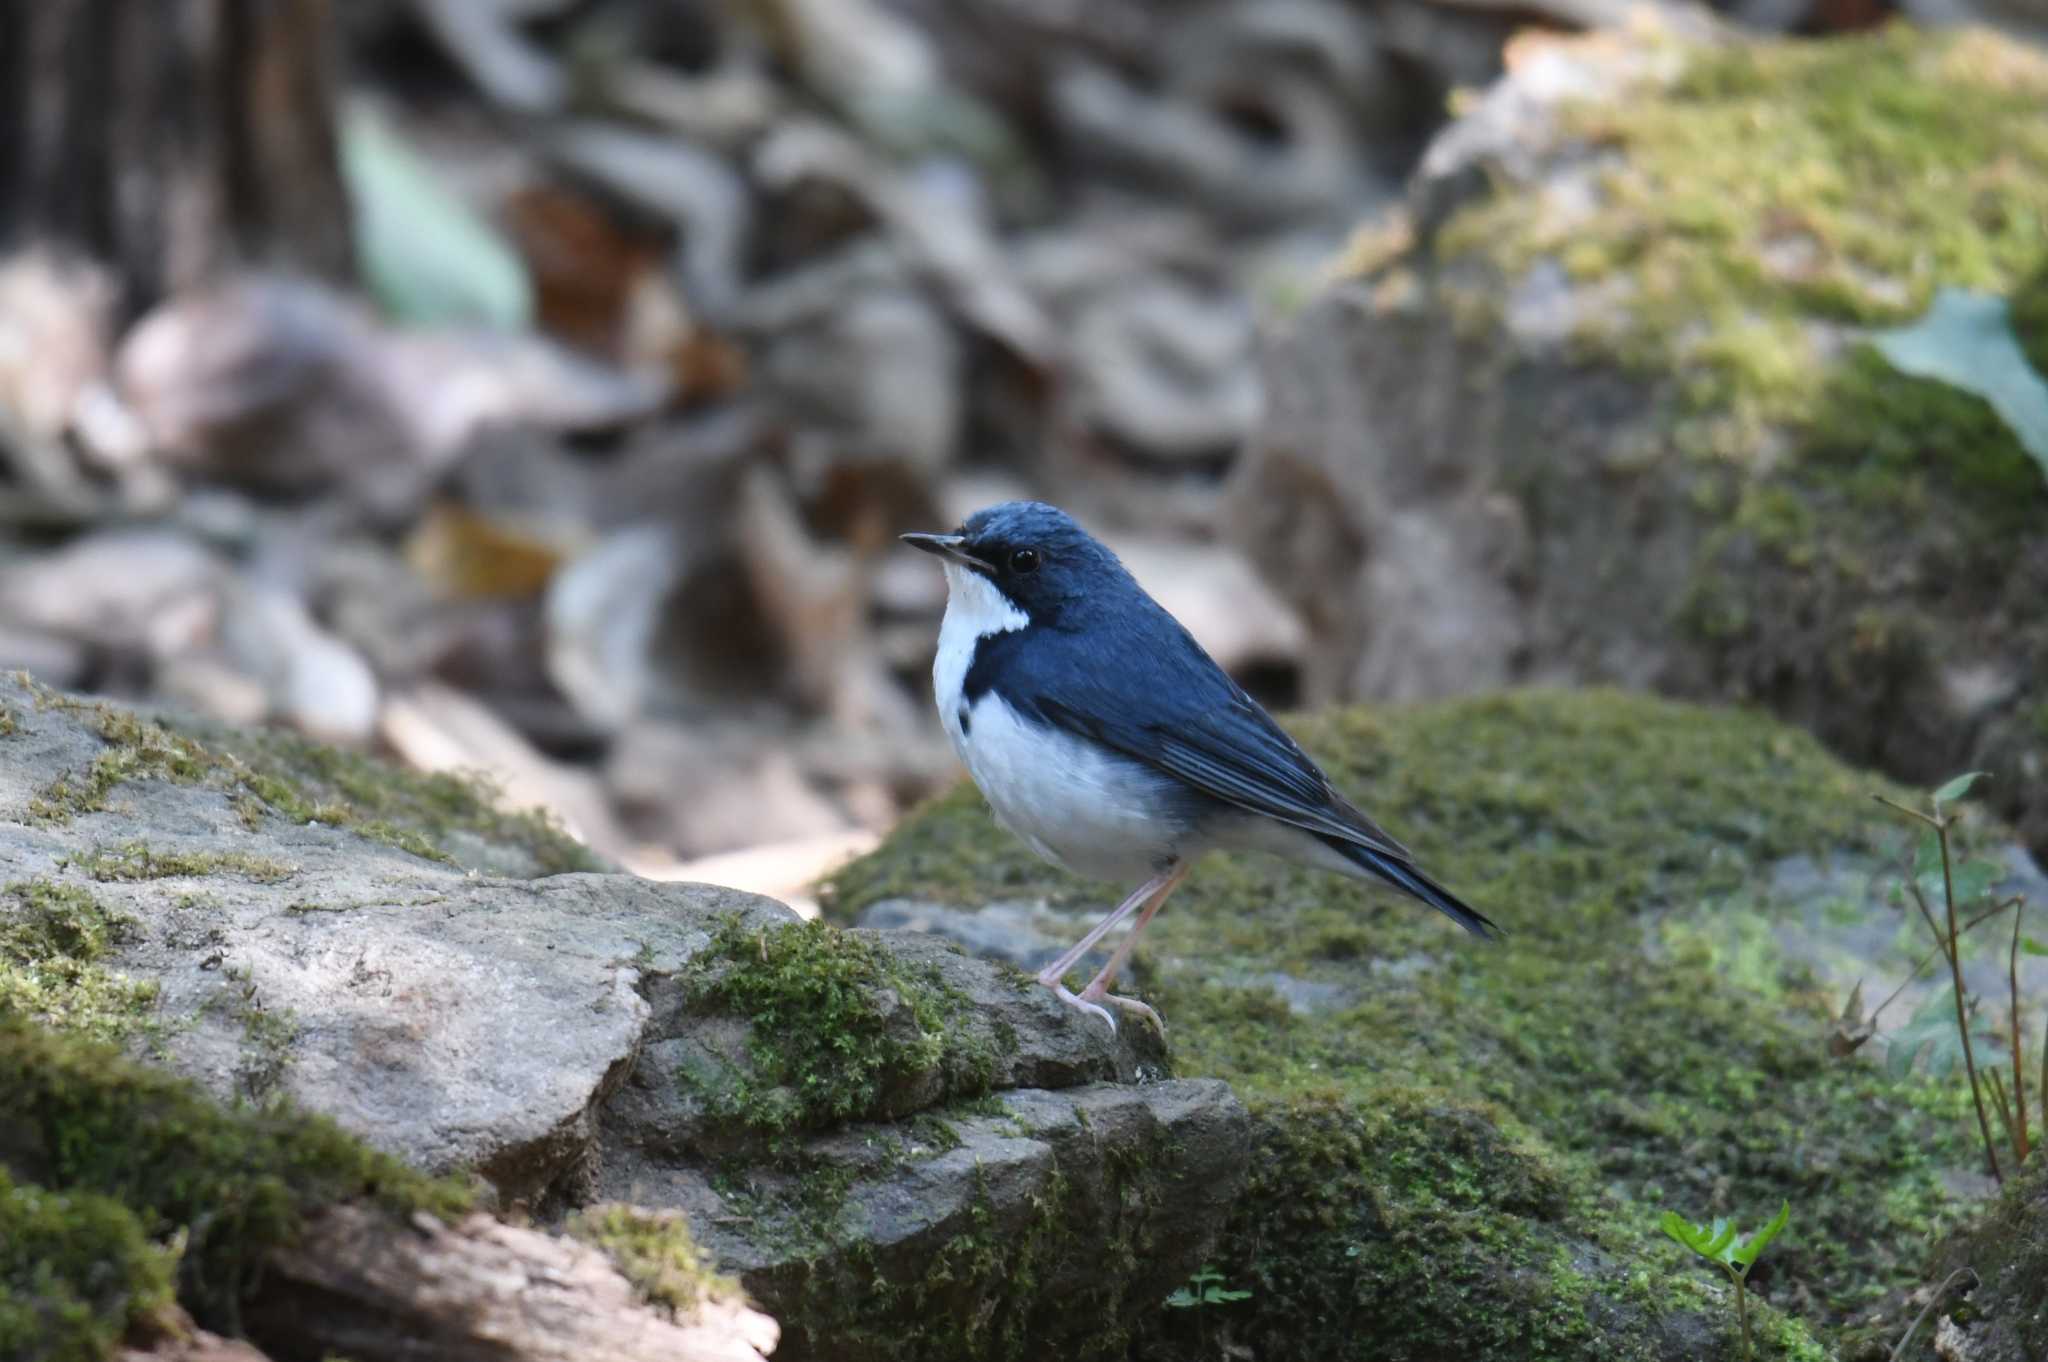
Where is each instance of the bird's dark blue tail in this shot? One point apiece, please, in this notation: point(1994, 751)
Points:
point(1404, 876)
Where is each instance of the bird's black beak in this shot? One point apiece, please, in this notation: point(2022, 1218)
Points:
point(947, 546)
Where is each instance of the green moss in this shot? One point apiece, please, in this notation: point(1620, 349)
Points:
point(1473, 1111)
point(272, 774)
point(656, 1253)
point(1760, 211)
point(839, 1027)
point(53, 939)
point(1780, 184)
point(140, 861)
point(424, 813)
point(1740, 229)
point(136, 749)
point(982, 1287)
point(2008, 1254)
point(270, 1033)
point(75, 1270)
point(93, 1129)
point(981, 1294)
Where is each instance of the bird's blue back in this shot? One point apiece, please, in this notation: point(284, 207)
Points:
point(1104, 660)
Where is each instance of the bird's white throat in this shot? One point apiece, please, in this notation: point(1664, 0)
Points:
point(975, 610)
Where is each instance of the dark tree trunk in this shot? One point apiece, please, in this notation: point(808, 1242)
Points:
point(168, 139)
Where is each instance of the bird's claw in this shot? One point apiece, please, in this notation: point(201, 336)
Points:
point(1067, 996)
point(1125, 1005)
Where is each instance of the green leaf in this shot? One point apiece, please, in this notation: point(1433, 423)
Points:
point(1927, 860)
point(2029, 946)
point(1966, 340)
point(1708, 1241)
point(1932, 1028)
point(1685, 1232)
point(426, 256)
point(1746, 1252)
point(1180, 1299)
point(1974, 879)
point(1724, 1235)
point(1957, 788)
point(1218, 1294)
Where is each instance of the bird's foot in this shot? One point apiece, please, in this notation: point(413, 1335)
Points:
point(1095, 996)
point(1071, 999)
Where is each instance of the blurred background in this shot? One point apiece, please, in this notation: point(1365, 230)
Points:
point(536, 387)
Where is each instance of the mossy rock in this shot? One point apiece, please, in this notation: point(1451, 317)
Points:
point(2002, 1267)
point(1600, 404)
point(59, 772)
point(119, 1182)
point(1466, 1152)
point(877, 1132)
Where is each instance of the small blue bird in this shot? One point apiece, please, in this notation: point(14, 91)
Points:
point(1106, 738)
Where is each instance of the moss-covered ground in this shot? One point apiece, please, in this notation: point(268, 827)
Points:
point(1777, 187)
point(656, 1253)
point(439, 816)
point(54, 942)
point(1467, 1156)
point(2004, 1259)
point(838, 1028)
point(1851, 531)
point(119, 1183)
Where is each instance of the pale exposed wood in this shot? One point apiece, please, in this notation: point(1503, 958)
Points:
point(362, 1285)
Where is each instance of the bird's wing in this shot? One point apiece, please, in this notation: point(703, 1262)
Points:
point(1241, 757)
point(1167, 704)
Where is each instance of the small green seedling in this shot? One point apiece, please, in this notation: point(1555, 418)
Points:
point(1207, 1290)
point(1717, 1244)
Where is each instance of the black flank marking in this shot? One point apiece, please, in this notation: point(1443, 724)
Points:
point(991, 654)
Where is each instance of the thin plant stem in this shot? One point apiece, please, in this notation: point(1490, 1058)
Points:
point(1928, 958)
point(1955, 968)
point(1927, 914)
point(1909, 812)
point(2019, 1074)
point(1927, 1309)
point(2004, 1104)
point(1742, 1311)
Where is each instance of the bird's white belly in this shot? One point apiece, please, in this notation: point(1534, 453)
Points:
point(1074, 804)
point(1070, 801)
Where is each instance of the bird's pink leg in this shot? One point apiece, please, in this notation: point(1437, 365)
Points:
point(1098, 987)
point(1053, 975)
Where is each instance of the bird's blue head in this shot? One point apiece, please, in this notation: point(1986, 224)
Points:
point(1041, 561)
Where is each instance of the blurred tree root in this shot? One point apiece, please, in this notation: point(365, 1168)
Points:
point(169, 140)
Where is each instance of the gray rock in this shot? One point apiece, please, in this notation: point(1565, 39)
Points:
point(1053, 1214)
point(1024, 934)
point(823, 1104)
point(1837, 917)
point(1998, 1264)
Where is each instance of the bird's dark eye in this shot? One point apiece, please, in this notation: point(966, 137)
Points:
point(1024, 560)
